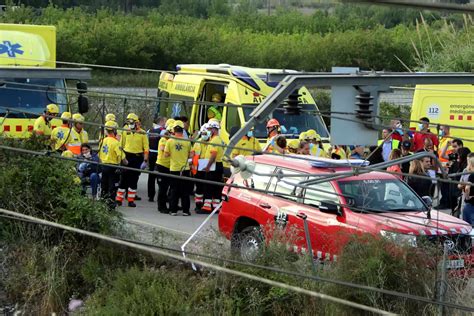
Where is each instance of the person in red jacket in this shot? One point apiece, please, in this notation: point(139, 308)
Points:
point(423, 133)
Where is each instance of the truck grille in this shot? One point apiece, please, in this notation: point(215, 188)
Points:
point(460, 244)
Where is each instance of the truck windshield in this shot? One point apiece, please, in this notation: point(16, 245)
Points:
point(376, 195)
point(293, 124)
point(31, 95)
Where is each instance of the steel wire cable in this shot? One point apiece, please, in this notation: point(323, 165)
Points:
point(158, 251)
point(299, 157)
point(114, 95)
point(299, 175)
point(398, 119)
point(322, 176)
point(281, 271)
point(230, 185)
point(190, 103)
point(383, 126)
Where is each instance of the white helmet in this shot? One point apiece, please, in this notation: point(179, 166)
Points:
point(213, 124)
point(204, 128)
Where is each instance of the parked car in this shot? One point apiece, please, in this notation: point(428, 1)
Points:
point(373, 203)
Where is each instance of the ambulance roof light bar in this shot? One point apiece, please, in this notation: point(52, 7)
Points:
point(333, 163)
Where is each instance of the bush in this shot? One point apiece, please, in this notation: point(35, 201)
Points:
point(162, 41)
point(46, 187)
point(380, 263)
point(43, 263)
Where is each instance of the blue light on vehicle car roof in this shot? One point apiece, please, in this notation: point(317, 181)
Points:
point(317, 162)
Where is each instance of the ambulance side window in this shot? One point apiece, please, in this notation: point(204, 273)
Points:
point(177, 105)
point(232, 118)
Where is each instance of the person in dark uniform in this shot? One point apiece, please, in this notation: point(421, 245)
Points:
point(153, 139)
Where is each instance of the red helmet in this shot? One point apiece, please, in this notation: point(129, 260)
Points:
point(273, 123)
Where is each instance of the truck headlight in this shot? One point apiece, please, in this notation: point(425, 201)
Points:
point(399, 238)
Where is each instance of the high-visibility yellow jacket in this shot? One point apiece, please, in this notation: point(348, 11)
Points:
point(110, 152)
point(76, 140)
point(135, 142)
point(61, 136)
point(42, 127)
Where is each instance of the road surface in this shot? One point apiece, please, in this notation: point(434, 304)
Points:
point(170, 231)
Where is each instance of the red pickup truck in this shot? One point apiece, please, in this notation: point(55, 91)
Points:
point(376, 203)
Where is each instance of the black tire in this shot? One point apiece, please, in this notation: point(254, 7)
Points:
point(247, 244)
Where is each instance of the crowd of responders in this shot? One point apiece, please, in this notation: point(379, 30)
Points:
point(169, 148)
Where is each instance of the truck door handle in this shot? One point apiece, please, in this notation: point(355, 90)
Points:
point(265, 205)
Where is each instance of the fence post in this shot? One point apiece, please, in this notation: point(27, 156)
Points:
point(308, 240)
point(442, 288)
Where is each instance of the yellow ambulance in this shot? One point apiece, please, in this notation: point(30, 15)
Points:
point(29, 79)
point(190, 92)
point(446, 104)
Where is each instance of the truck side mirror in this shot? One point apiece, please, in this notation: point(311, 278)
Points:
point(81, 87)
point(82, 104)
point(330, 208)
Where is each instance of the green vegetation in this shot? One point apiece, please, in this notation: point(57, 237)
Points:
point(43, 268)
point(43, 264)
point(370, 38)
point(449, 49)
point(48, 188)
point(101, 78)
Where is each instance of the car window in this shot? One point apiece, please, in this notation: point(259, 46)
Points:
point(286, 186)
point(315, 193)
point(381, 195)
point(261, 182)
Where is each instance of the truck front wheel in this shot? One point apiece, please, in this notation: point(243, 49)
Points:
point(248, 243)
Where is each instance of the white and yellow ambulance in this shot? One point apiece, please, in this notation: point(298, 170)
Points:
point(189, 93)
point(446, 104)
point(29, 79)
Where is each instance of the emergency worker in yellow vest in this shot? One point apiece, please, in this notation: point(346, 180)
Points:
point(178, 149)
point(61, 135)
point(42, 125)
point(78, 134)
point(214, 169)
point(316, 148)
point(213, 112)
point(108, 117)
point(339, 152)
point(197, 152)
point(135, 145)
point(247, 146)
point(293, 146)
point(163, 166)
point(112, 155)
